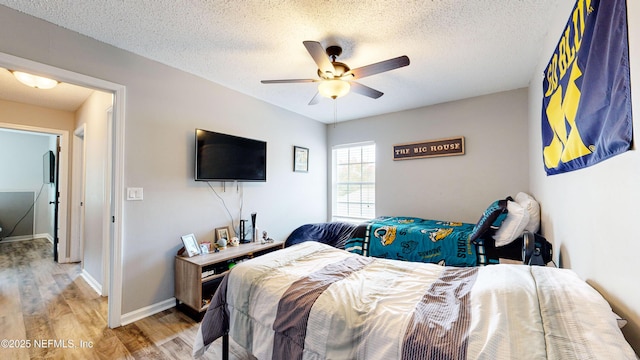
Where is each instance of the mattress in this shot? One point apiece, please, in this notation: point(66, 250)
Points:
point(313, 301)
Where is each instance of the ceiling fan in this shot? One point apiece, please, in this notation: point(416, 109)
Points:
point(336, 78)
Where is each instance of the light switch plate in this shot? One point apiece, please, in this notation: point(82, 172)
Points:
point(134, 194)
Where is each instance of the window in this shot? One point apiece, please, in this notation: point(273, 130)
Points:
point(354, 182)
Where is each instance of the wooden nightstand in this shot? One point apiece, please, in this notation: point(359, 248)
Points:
point(198, 277)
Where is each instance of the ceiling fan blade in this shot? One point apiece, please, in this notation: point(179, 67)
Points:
point(365, 90)
point(315, 99)
point(379, 67)
point(287, 81)
point(319, 55)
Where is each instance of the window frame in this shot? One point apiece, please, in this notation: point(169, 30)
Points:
point(348, 217)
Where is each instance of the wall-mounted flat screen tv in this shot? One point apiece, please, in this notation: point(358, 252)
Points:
point(49, 167)
point(223, 157)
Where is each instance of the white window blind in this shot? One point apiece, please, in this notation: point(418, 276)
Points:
point(354, 182)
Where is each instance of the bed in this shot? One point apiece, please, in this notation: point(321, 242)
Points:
point(423, 240)
point(408, 239)
point(313, 301)
point(498, 234)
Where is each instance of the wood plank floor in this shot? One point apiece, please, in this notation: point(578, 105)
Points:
point(47, 311)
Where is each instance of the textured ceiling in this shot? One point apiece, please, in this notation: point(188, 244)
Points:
point(458, 48)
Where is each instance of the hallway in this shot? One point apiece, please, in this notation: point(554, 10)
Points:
point(48, 311)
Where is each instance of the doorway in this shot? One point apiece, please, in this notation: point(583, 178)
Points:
point(116, 157)
point(45, 221)
point(28, 185)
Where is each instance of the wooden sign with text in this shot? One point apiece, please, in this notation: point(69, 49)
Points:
point(431, 148)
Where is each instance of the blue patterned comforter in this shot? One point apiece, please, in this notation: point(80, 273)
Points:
point(415, 239)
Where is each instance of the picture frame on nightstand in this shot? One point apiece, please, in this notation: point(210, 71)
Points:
point(190, 245)
point(223, 233)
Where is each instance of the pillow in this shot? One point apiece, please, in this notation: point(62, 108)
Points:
point(513, 226)
point(490, 220)
point(533, 208)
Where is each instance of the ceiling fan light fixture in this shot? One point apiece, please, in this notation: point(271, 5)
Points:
point(35, 81)
point(333, 88)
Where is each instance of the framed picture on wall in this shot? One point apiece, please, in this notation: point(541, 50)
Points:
point(300, 159)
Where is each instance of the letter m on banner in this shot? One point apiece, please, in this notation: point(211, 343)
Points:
point(586, 107)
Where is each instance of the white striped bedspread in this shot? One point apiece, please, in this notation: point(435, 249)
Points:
point(312, 301)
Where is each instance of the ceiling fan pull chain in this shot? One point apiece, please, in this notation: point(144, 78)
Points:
point(335, 112)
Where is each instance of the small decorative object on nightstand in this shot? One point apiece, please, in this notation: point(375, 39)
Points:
point(265, 238)
point(234, 241)
point(204, 248)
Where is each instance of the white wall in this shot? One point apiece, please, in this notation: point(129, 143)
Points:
point(93, 114)
point(163, 108)
point(590, 214)
point(494, 165)
point(21, 166)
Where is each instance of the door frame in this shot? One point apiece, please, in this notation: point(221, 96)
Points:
point(76, 233)
point(56, 204)
point(108, 225)
point(117, 175)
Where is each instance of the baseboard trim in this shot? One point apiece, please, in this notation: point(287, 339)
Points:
point(146, 311)
point(17, 238)
point(46, 236)
point(28, 237)
point(95, 285)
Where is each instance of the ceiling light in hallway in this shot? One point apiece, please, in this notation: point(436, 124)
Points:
point(35, 81)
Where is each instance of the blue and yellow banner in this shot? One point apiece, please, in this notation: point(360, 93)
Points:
point(586, 108)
